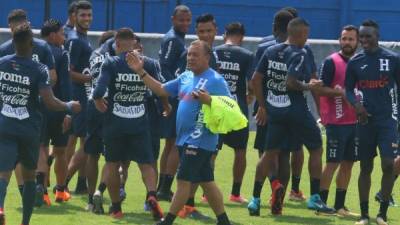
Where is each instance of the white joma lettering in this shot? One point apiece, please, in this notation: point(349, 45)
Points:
point(229, 66)
point(128, 77)
point(277, 65)
point(14, 78)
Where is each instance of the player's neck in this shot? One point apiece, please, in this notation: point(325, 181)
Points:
point(80, 29)
point(24, 54)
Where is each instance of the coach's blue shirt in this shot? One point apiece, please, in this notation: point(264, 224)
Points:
point(376, 75)
point(236, 66)
point(20, 81)
point(172, 47)
point(41, 52)
point(277, 63)
point(127, 94)
point(190, 127)
point(79, 51)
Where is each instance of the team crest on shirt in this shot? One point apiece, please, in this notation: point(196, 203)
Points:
point(281, 55)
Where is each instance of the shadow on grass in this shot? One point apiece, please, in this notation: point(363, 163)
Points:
point(56, 209)
point(306, 220)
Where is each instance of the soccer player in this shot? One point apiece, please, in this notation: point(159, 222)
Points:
point(292, 11)
point(285, 68)
point(70, 24)
point(22, 80)
point(339, 119)
point(79, 50)
point(236, 66)
point(195, 142)
point(172, 47)
point(53, 129)
point(41, 53)
point(126, 126)
point(376, 73)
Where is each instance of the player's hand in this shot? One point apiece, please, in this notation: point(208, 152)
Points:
point(167, 109)
point(362, 114)
point(202, 96)
point(66, 123)
point(134, 60)
point(101, 104)
point(315, 84)
point(261, 116)
point(75, 106)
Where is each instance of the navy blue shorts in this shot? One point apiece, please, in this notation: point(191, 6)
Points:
point(155, 120)
point(18, 148)
point(235, 139)
point(259, 141)
point(195, 165)
point(79, 123)
point(341, 143)
point(299, 127)
point(169, 123)
point(51, 131)
point(94, 144)
point(132, 147)
point(382, 134)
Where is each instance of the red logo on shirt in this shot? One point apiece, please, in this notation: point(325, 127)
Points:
point(372, 84)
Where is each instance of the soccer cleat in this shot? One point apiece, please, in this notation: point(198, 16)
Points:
point(165, 196)
point(297, 196)
point(122, 194)
point(379, 198)
point(62, 196)
point(192, 212)
point(117, 215)
point(278, 193)
point(381, 221)
point(98, 203)
point(204, 199)
point(2, 217)
point(156, 210)
point(39, 196)
point(362, 221)
point(317, 204)
point(89, 207)
point(161, 222)
point(238, 199)
point(46, 199)
point(345, 212)
point(254, 207)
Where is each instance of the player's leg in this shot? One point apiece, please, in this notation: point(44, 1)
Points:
point(215, 200)
point(41, 173)
point(296, 162)
point(260, 176)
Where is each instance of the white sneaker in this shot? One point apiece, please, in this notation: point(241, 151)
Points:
point(381, 221)
point(362, 221)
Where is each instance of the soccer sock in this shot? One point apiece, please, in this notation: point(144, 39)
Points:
point(364, 209)
point(67, 180)
point(166, 187)
point(151, 194)
point(314, 186)
point(169, 219)
point(116, 206)
point(190, 202)
point(122, 186)
point(21, 189)
point(160, 181)
point(324, 195)
point(340, 198)
point(28, 200)
point(102, 187)
point(295, 184)
point(223, 219)
point(258, 185)
point(3, 192)
point(40, 178)
point(383, 209)
point(236, 188)
point(60, 188)
point(90, 199)
point(81, 182)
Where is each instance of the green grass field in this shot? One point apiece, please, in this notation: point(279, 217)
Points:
point(73, 213)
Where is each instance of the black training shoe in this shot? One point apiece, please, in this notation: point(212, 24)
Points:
point(165, 196)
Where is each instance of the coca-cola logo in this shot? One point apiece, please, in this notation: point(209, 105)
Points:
point(17, 99)
point(129, 97)
point(278, 86)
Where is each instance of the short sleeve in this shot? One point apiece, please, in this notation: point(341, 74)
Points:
point(262, 64)
point(48, 58)
point(296, 65)
point(75, 50)
point(44, 77)
point(327, 71)
point(172, 87)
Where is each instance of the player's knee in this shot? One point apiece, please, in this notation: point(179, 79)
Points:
point(387, 166)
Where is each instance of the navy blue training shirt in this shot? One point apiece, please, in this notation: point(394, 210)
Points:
point(172, 47)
